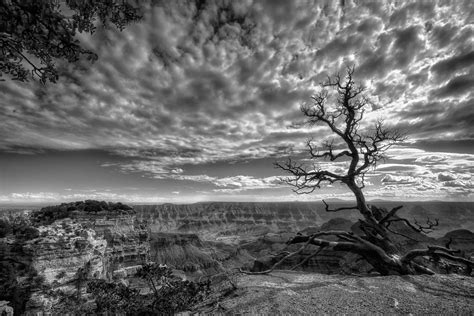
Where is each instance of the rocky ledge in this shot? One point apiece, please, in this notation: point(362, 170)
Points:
point(63, 248)
point(299, 293)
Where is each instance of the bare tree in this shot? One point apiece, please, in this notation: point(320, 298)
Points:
point(362, 150)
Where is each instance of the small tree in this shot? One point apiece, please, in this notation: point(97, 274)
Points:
point(35, 34)
point(171, 294)
point(115, 298)
point(5, 228)
point(362, 150)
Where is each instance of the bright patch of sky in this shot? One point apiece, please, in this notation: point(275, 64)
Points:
point(197, 101)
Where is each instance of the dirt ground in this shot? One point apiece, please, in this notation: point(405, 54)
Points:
point(298, 293)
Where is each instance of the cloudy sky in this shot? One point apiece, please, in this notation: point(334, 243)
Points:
point(198, 100)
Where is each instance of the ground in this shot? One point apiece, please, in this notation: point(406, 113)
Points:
point(297, 293)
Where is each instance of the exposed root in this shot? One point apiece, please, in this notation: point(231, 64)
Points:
point(437, 251)
point(383, 261)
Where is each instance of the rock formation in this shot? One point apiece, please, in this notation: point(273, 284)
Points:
point(74, 242)
point(63, 248)
point(225, 220)
point(5, 309)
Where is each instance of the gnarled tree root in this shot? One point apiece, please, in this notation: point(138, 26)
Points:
point(383, 262)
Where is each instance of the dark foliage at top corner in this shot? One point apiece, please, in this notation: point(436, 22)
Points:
point(35, 35)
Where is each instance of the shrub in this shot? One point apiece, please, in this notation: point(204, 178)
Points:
point(30, 232)
point(114, 297)
point(5, 228)
point(171, 294)
point(49, 214)
point(61, 275)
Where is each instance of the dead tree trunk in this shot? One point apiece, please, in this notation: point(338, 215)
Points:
point(363, 149)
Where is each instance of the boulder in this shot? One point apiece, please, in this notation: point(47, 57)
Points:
point(5, 309)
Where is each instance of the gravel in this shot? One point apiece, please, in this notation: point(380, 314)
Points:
point(299, 293)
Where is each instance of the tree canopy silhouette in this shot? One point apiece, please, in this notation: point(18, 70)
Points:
point(362, 149)
point(34, 35)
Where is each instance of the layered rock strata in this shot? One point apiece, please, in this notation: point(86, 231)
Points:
point(65, 247)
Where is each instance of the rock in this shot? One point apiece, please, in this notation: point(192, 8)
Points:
point(5, 310)
point(461, 239)
point(337, 223)
point(327, 261)
point(264, 263)
point(39, 304)
point(217, 219)
point(127, 240)
point(64, 248)
point(202, 239)
point(302, 293)
point(85, 245)
point(184, 252)
point(126, 272)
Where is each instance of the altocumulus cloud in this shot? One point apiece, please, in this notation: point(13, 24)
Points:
point(202, 82)
point(418, 173)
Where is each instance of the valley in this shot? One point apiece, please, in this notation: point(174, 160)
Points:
point(198, 241)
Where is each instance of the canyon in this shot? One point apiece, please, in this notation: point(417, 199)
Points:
point(198, 241)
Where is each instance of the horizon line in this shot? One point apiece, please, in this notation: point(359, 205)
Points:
point(43, 204)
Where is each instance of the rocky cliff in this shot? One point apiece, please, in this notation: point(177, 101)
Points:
point(63, 248)
point(110, 241)
point(184, 252)
point(461, 239)
point(300, 293)
point(74, 242)
point(260, 230)
point(229, 221)
point(127, 240)
point(225, 219)
point(63, 254)
point(68, 244)
point(327, 261)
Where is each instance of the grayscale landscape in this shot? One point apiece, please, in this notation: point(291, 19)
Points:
point(257, 157)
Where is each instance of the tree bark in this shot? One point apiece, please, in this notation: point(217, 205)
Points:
point(376, 244)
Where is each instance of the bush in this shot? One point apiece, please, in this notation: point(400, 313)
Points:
point(119, 206)
point(18, 226)
point(29, 232)
point(114, 297)
point(61, 275)
point(49, 214)
point(18, 279)
point(171, 294)
point(70, 304)
point(177, 296)
point(5, 228)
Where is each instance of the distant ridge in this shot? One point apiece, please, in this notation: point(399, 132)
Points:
point(33, 206)
point(332, 200)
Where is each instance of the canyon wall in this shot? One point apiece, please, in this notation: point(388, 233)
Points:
point(232, 221)
point(127, 240)
point(225, 220)
point(260, 230)
point(200, 239)
point(63, 248)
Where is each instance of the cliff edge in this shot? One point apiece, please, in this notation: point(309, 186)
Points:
point(300, 293)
